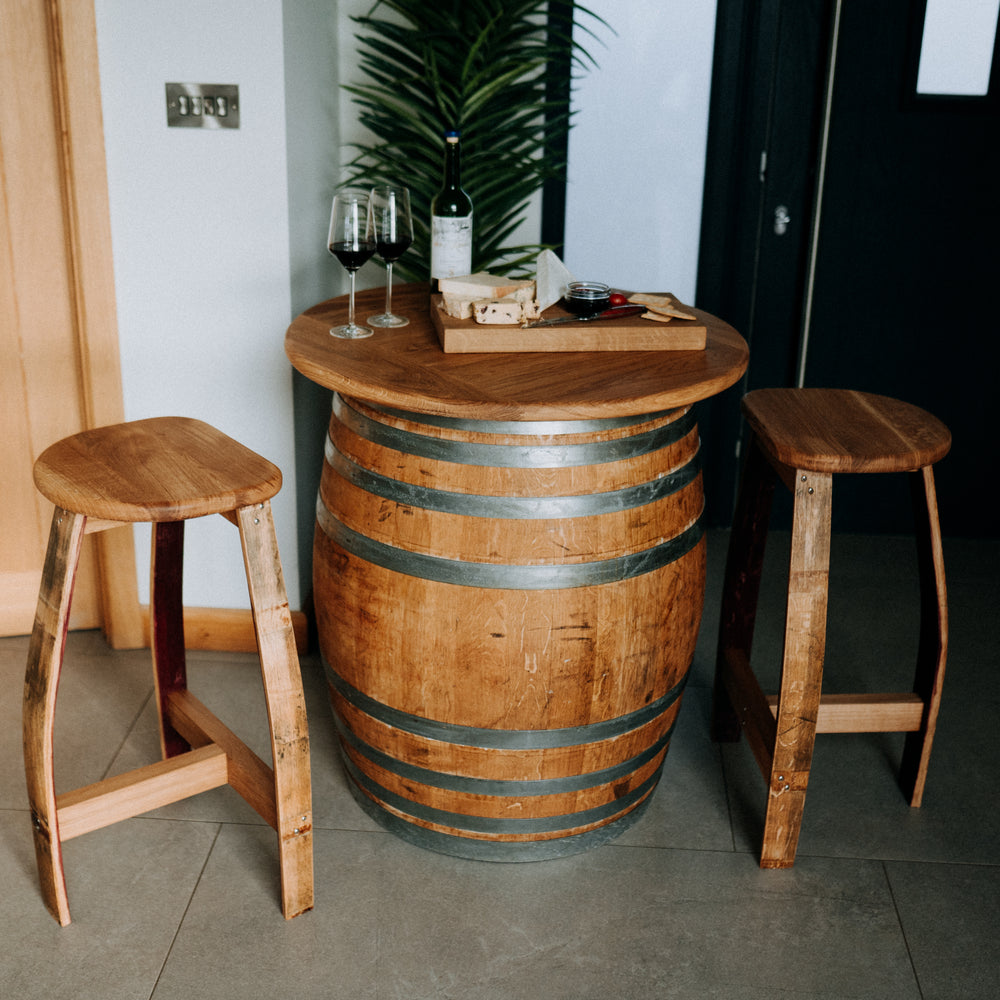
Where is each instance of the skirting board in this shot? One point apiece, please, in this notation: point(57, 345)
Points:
point(227, 630)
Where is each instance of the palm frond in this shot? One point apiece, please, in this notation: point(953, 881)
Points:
point(479, 66)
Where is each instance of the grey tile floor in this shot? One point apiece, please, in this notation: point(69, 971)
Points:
point(884, 902)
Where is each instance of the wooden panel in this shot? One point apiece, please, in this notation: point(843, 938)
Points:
point(228, 630)
point(39, 388)
point(73, 37)
point(58, 340)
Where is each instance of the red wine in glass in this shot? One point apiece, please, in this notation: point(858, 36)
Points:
point(352, 241)
point(391, 251)
point(393, 236)
point(352, 255)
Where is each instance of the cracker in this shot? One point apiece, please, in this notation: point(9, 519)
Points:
point(660, 304)
point(647, 299)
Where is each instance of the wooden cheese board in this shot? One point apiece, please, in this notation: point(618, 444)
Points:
point(626, 333)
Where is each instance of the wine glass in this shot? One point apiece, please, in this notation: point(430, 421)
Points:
point(393, 235)
point(352, 242)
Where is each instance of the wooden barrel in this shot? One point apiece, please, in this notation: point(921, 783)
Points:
point(507, 612)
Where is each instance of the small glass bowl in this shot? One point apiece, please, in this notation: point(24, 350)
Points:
point(586, 297)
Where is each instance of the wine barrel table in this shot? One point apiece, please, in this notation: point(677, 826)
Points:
point(508, 576)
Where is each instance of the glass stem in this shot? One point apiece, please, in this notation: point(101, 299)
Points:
point(350, 304)
point(388, 288)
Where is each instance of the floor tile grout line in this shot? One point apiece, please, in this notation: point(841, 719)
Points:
point(614, 845)
point(128, 732)
point(727, 792)
point(187, 909)
point(902, 928)
point(885, 860)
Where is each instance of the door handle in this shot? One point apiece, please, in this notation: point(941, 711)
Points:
point(781, 220)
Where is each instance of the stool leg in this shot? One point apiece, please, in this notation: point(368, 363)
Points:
point(932, 652)
point(801, 669)
point(741, 586)
point(285, 705)
point(41, 682)
point(166, 625)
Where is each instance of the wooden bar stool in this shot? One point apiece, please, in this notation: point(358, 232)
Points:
point(166, 470)
point(803, 437)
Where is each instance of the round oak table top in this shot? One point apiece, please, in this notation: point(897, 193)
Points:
point(405, 367)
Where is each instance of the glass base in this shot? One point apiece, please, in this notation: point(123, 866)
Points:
point(388, 319)
point(350, 331)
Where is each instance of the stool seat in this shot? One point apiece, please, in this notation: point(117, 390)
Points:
point(841, 430)
point(160, 469)
point(167, 470)
point(803, 437)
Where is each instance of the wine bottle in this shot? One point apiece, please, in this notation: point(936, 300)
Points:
point(451, 219)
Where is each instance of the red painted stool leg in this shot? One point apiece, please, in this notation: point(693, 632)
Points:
point(166, 626)
point(741, 587)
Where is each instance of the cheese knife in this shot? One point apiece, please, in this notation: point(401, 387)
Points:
point(615, 312)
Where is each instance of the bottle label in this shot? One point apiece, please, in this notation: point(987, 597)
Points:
point(451, 246)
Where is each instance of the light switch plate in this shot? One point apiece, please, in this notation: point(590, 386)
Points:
point(203, 105)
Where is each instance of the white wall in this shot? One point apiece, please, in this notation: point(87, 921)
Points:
point(637, 150)
point(312, 39)
point(199, 224)
point(314, 55)
point(219, 235)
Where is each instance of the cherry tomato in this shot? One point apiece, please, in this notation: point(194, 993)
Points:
point(617, 299)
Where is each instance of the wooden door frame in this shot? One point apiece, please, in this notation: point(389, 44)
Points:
point(77, 96)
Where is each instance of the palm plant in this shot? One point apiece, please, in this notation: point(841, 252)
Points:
point(483, 67)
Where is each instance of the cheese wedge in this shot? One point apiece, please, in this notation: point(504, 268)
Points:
point(460, 296)
point(457, 307)
point(552, 279)
point(483, 286)
point(498, 313)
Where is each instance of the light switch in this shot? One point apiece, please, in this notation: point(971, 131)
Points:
point(203, 105)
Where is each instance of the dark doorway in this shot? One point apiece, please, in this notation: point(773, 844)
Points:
point(850, 232)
